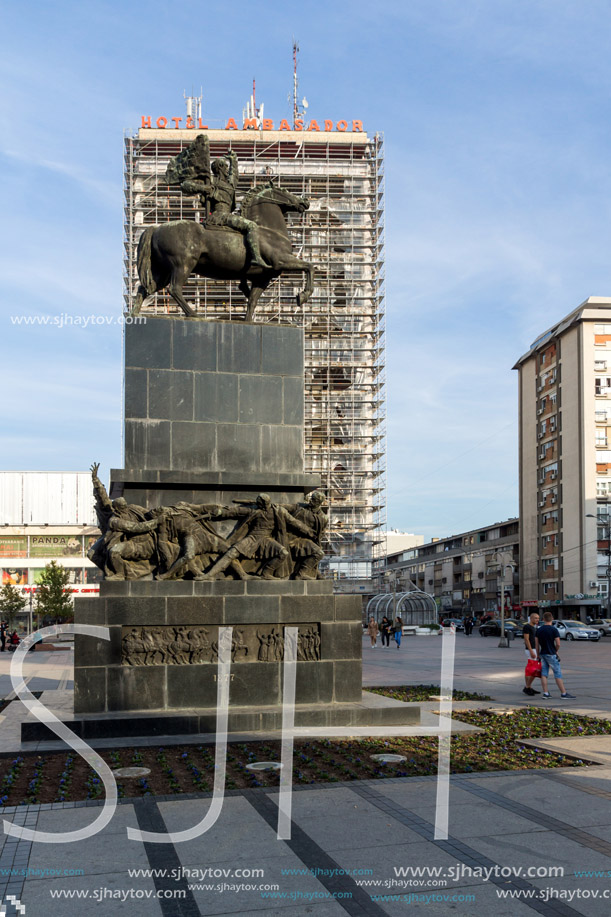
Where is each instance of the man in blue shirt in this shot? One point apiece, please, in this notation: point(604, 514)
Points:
point(547, 640)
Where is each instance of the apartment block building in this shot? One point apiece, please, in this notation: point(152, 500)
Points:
point(565, 461)
point(463, 572)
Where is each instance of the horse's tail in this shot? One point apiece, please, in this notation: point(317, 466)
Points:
point(145, 271)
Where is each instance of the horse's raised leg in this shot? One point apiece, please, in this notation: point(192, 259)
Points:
point(305, 294)
point(291, 264)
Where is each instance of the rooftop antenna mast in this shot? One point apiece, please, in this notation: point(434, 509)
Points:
point(194, 105)
point(250, 111)
point(297, 114)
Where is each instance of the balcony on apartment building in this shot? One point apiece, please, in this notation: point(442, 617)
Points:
point(547, 381)
point(546, 408)
point(548, 452)
point(547, 359)
point(548, 500)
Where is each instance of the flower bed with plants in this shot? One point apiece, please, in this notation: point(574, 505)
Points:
point(175, 769)
point(412, 693)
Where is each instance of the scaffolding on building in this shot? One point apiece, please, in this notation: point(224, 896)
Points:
point(344, 321)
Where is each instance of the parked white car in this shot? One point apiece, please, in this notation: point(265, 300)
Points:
point(575, 630)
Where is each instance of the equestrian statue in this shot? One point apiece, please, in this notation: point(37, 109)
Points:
point(252, 247)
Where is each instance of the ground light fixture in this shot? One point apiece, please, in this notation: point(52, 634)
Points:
point(131, 772)
point(388, 759)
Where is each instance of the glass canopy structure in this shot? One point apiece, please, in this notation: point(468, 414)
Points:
point(413, 607)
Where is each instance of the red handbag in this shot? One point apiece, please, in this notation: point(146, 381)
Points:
point(533, 669)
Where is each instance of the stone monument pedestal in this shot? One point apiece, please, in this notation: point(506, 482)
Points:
point(214, 414)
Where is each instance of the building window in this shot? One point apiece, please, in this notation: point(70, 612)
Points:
point(550, 587)
point(602, 329)
point(602, 384)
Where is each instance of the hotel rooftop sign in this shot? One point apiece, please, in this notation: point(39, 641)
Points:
point(265, 124)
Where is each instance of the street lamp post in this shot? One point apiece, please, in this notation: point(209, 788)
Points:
point(392, 576)
point(606, 520)
point(503, 567)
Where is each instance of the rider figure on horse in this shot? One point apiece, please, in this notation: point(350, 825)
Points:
point(217, 188)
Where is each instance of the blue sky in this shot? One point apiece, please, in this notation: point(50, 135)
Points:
point(498, 191)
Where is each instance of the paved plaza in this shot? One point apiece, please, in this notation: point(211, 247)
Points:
point(519, 843)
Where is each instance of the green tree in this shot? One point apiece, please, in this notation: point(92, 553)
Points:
point(11, 603)
point(53, 594)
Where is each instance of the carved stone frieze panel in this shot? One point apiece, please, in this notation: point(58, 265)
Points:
point(195, 645)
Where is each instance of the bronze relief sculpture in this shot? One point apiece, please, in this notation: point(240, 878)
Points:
point(269, 540)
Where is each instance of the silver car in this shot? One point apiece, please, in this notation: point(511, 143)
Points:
point(603, 625)
point(575, 630)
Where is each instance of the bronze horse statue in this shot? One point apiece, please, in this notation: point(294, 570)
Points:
point(169, 253)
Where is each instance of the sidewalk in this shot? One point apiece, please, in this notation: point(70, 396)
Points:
point(382, 833)
point(343, 835)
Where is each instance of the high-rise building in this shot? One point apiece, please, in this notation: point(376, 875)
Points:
point(340, 171)
point(565, 461)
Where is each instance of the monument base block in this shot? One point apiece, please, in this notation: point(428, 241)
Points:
point(372, 711)
point(157, 674)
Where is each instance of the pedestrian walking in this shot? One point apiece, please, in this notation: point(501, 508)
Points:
point(398, 631)
point(468, 624)
point(547, 641)
point(386, 630)
point(530, 650)
point(372, 629)
point(3, 630)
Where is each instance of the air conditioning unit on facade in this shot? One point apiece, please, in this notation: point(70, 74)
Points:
point(540, 411)
point(553, 475)
point(541, 503)
point(592, 584)
point(541, 434)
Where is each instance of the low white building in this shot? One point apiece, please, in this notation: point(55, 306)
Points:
point(46, 516)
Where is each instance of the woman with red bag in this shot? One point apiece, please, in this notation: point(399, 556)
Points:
point(533, 667)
